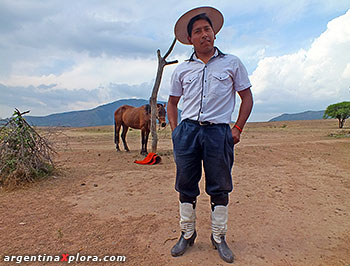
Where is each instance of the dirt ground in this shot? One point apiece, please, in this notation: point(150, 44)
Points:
point(290, 204)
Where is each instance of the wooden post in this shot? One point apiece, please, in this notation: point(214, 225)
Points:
point(153, 100)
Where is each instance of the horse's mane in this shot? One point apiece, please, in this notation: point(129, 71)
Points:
point(148, 109)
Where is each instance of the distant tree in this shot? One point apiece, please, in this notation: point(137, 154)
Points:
point(341, 111)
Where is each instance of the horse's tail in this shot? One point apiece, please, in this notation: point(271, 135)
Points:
point(118, 114)
point(115, 128)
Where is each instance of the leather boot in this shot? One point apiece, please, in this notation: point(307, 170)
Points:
point(219, 228)
point(181, 245)
point(188, 232)
point(224, 251)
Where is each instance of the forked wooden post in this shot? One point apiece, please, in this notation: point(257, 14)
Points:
point(153, 100)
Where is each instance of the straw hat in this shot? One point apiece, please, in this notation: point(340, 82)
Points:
point(213, 14)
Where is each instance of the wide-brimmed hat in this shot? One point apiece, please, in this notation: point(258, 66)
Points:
point(215, 16)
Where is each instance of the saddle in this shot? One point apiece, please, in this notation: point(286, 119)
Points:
point(151, 158)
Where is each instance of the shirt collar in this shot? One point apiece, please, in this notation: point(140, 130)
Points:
point(216, 53)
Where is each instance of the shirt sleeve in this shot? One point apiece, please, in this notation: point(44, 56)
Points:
point(175, 84)
point(241, 79)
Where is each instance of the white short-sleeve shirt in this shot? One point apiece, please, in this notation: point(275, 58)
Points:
point(209, 90)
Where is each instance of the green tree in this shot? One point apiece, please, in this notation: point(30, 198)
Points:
point(341, 111)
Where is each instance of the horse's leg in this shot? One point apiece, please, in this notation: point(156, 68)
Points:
point(142, 141)
point(116, 135)
point(125, 130)
point(146, 140)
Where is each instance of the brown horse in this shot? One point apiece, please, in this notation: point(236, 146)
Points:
point(137, 118)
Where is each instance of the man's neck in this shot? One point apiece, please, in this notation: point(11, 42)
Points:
point(205, 57)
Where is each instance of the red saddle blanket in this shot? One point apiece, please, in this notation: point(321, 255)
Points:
point(151, 158)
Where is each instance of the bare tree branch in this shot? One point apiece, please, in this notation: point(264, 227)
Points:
point(170, 49)
point(172, 62)
point(24, 154)
point(153, 100)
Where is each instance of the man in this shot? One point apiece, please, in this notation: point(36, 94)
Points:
point(208, 82)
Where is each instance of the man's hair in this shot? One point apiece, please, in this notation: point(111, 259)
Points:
point(196, 18)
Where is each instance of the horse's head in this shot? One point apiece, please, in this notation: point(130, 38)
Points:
point(161, 114)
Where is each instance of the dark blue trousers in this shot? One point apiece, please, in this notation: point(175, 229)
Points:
point(211, 144)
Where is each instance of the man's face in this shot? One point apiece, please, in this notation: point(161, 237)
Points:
point(202, 36)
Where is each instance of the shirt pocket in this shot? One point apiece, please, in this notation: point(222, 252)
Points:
point(190, 85)
point(221, 84)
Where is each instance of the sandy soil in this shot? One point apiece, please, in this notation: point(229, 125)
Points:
point(290, 205)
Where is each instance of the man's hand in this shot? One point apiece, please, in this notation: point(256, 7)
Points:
point(236, 135)
point(244, 112)
point(172, 111)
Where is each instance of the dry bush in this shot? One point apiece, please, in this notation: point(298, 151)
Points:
point(24, 154)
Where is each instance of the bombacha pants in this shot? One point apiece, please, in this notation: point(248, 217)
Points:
point(211, 144)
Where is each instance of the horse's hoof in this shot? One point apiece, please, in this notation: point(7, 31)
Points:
point(127, 150)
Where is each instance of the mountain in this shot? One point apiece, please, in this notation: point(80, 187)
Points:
point(3, 121)
point(308, 115)
point(99, 116)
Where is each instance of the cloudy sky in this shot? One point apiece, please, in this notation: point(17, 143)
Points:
point(60, 55)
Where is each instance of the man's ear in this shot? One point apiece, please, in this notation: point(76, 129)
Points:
point(189, 39)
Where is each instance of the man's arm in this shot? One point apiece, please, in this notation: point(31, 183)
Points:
point(244, 112)
point(172, 111)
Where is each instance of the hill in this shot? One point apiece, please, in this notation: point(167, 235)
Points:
point(99, 116)
point(308, 115)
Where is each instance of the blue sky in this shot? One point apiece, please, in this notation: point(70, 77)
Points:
point(59, 55)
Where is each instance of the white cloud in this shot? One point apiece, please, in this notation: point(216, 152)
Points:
point(90, 73)
point(109, 50)
point(46, 99)
point(310, 78)
point(346, 73)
